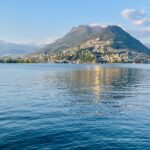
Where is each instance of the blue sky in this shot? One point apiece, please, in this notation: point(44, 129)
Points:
point(25, 21)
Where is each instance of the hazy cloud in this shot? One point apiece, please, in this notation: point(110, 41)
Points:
point(48, 40)
point(45, 41)
point(141, 32)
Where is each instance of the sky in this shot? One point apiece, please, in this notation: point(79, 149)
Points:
point(43, 21)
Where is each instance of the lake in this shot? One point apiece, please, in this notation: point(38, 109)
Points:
point(73, 106)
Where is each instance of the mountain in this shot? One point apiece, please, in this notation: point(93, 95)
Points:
point(119, 38)
point(12, 49)
point(76, 36)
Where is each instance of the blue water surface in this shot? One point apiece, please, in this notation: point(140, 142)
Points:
point(73, 106)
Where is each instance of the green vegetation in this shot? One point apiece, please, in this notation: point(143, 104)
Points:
point(16, 60)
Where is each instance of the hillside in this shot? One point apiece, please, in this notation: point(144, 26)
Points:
point(120, 39)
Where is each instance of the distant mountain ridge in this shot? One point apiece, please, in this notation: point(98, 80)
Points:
point(120, 39)
point(13, 49)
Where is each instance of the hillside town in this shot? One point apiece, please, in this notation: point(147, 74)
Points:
point(91, 51)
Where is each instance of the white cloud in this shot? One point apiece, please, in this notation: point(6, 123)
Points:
point(144, 21)
point(137, 17)
point(133, 14)
point(103, 25)
point(98, 24)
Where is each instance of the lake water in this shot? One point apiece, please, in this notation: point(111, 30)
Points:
point(70, 106)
